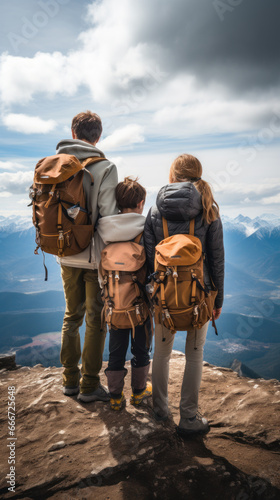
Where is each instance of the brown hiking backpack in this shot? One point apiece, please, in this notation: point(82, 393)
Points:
point(123, 270)
point(180, 297)
point(62, 222)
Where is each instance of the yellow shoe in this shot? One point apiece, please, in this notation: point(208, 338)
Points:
point(117, 403)
point(136, 399)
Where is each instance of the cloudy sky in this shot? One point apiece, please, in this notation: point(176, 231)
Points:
point(166, 76)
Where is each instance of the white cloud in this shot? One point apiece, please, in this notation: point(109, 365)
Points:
point(214, 115)
point(235, 193)
point(271, 200)
point(123, 137)
point(116, 60)
point(139, 62)
point(98, 65)
point(17, 182)
point(10, 165)
point(5, 194)
point(22, 77)
point(118, 161)
point(28, 124)
point(151, 190)
point(23, 201)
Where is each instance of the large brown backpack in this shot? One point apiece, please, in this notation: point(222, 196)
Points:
point(62, 222)
point(180, 297)
point(123, 270)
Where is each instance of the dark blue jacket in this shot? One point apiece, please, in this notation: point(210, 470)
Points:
point(178, 203)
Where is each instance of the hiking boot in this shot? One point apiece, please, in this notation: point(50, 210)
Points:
point(100, 394)
point(71, 390)
point(160, 417)
point(117, 403)
point(136, 399)
point(195, 425)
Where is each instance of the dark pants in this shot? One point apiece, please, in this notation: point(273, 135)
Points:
point(140, 362)
point(118, 345)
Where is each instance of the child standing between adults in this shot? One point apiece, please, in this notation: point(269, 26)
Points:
point(126, 226)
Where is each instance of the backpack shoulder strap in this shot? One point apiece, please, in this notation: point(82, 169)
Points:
point(92, 159)
point(191, 229)
point(165, 228)
point(138, 238)
point(88, 161)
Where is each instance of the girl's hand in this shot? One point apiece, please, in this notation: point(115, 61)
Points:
point(217, 313)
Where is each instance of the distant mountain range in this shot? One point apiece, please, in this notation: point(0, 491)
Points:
point(251, 245)
point(249, 328)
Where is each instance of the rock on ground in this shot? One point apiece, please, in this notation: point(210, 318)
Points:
point(68, 450)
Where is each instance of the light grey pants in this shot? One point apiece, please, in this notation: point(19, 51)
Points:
point(192, 374)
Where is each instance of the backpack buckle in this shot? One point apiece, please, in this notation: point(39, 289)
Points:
point(32, 193)
point(138, 314)
point(166, 313)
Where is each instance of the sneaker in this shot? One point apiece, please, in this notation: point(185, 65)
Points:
point(136, 399)
point(117, 403)
point(70, 390)
point(100, 394)
point(196, 425)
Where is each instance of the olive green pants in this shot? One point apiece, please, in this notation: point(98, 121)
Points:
point(82, 297)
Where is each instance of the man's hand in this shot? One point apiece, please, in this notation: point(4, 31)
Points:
point(217, 313)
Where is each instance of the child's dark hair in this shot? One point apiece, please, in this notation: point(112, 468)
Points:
point(129, 193)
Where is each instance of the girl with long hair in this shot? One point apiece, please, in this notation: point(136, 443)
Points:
point(186, 197)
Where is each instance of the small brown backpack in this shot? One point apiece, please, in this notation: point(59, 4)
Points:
point(123, 270)
point(180, 297)
point(62, 222)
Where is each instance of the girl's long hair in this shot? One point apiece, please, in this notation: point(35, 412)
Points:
point(187, 168)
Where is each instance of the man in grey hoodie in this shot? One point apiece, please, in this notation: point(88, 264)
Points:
point(79, 276)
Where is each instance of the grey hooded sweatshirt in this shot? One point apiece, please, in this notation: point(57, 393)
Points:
point(121, 227)
point(100, 198)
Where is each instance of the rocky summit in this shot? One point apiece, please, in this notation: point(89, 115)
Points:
point(67, 450)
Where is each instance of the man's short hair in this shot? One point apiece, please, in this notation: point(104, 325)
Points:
point(129, 193)
point(87, 126)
